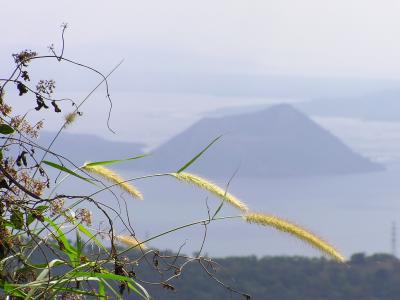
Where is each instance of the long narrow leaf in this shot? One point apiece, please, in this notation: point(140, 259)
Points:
point(75, 291)
point(144, 291)
point(44, 274)
point(66, 170)
point(115, 161)
point(198, 155)
point(113, 277)
point(110, 287)
point(226, 191)
point(11, 289)
point(102, 289)
point(86, 232)
point(68, 248)
point(79, 246)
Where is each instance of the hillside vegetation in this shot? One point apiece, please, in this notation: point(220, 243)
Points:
point(290, 278)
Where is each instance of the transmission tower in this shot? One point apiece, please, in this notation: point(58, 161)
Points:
point(394, 239)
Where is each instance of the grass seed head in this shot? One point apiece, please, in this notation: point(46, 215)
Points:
point(115, 178)
point(70, 118)
point(212, 188)
point(296, 231)
point(130, 241)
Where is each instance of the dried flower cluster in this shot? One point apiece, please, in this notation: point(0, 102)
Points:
point(84, 215)
point(13, 195)
point(46, 87)
point(24, 57)
point(5, 109)
point(21, 124)
point(57, 207)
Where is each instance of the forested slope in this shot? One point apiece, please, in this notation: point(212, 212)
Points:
point(290, 278)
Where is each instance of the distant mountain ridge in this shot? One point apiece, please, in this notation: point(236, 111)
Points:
point(383, 105)
point(377, 106)
point(80, 148)
point(279, 141)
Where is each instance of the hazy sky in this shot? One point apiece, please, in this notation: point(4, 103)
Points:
point(187, 41)
point(351, 38)
point(164, 41)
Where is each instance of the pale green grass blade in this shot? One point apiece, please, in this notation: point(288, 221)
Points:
point(115, 161)
point(86, 232)
point(66, 170)
point(198, 155)
point(68, 248)
point(114, 277)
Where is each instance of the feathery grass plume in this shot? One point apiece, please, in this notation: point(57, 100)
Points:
point(296, 231)
point(113, 177)
point(70, 118)
point(130, 241)
point(212, 188)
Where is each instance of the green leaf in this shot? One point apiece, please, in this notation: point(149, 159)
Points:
point(11, 289)
point(146, 294)
point(76, 291)
point(110, 162)
point(226, 191)
point(41, 266)
point(66, 170)
point(36, 213)
point(102, 289)
point(8, 224)
point(29, 219)
point(112, 276)
point(42, 208)
point(86, 232)
point(198, 155)
point(79, 246)
point(219, 208)
point(110, 287)
point(68, 248)
point(17, 219)
point(6, 129)
point(44, 274)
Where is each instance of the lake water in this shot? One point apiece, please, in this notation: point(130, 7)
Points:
point(353, 212)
